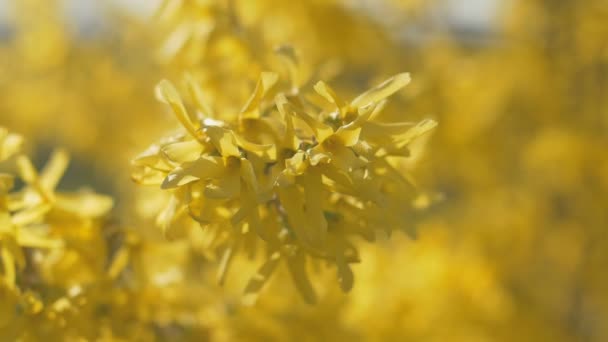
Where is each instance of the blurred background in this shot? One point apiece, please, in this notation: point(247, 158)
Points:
point(513, 242)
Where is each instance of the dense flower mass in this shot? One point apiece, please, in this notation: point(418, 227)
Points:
point(42, 235)
point(287, 176)
point(34, 216)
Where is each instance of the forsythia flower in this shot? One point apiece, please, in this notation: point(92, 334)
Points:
point(42, 232)
point(286, 175)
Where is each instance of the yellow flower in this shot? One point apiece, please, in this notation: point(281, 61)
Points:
point(40, 219)
point(302, 184)
point(10, 144)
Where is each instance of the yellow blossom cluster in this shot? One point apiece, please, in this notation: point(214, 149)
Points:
point(286, 176)
point(43, 241)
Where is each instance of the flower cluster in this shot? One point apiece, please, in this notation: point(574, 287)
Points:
point(287, 176)
point(46, 266)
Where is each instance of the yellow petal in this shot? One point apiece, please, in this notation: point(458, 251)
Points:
point(258, 281)
point(238, 216)
point(289, 139)
point(226, 187)
point(297, 268)
point(203, 168)
point(8, 266)
point(27, 238)
point(226, 261)
point(394, 150)
point(86, 204)
point(290, 58)
point(293, 203)
point(318, 156)
point(249, 207)
point(420, 129)
point(182, 151)
point(12, 259)
point(197, 94)
point(54, 169)
point(10, 144)
point(348, 136)
point(266, 152)
point(381, 131)
point(119, 263)
point(382, 91)
point(377, 109)
point(30, 215)
point(248, 175)
point(27, 171)
point(6, 225)
point(321, 130)
point(175, 42)
point(167, 220)
point(328, 93)
point(297, 164)
point(224, 141)
point(152, 158)
point(147, 176)
point(363, 148)
point(266, 81)
point(167, 9)
point(284, 180)
point(345, 274)
point(167, 93)
point(341, 156)
point(205, 210)
point(313, 209)
point(337, 175)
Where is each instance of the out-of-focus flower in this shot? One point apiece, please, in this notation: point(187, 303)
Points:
point(40, 239)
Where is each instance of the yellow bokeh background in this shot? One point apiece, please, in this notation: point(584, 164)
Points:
point(512, 232)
